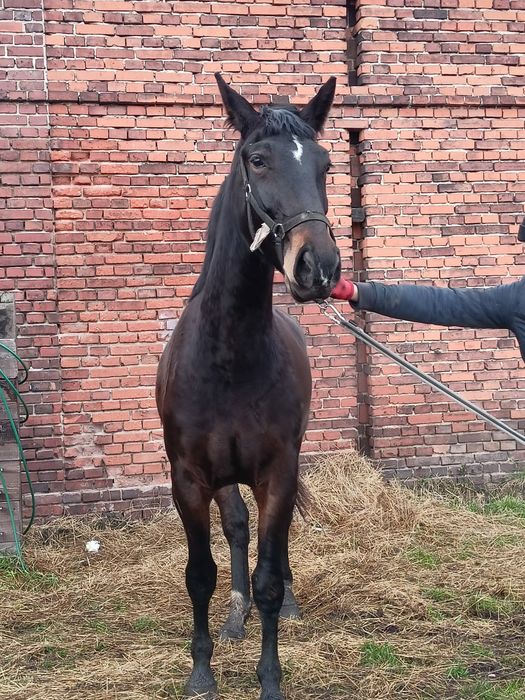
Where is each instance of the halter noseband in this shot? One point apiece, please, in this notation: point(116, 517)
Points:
point(277, 229)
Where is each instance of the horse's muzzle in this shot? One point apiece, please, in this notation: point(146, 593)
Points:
point(315, 275)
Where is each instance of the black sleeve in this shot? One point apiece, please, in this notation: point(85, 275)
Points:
point(467, 308)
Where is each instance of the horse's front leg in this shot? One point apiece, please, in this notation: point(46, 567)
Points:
point(234, 517)
point(193, 504)
point(276, 502)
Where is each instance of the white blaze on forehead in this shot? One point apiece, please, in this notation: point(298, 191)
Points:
point(298, 150)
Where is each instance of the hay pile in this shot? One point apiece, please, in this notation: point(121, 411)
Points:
point(403, 597)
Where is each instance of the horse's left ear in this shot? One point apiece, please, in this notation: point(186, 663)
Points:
point(317, 109)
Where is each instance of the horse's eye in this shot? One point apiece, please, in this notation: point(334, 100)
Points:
point(257, 161)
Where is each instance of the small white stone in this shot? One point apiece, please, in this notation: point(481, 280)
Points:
point(92, 546)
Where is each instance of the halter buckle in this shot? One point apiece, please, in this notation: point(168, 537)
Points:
point(278, 232)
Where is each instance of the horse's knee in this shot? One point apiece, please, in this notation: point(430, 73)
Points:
point(268, 588)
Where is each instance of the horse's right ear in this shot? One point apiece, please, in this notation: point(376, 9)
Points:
point(241, 115)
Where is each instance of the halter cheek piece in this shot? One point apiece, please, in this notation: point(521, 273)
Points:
point(269, 227)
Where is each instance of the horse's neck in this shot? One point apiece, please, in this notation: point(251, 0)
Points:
point(237, 291)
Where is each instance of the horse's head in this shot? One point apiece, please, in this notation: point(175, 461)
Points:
point(283, 172)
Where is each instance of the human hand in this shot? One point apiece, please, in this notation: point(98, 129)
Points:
point(344, 289)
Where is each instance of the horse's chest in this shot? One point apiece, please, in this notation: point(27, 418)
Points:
point(233, 431)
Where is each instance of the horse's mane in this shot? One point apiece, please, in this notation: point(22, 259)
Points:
point(279, 119)
point(210, 240)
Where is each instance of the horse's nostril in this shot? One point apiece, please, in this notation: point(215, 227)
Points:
point(305, 268)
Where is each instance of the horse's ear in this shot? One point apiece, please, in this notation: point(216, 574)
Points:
point(317, 109)
point(241, 115)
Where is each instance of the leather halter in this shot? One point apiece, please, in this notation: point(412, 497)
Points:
point(278, 229)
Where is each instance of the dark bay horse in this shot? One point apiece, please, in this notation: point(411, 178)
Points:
point(234, 383)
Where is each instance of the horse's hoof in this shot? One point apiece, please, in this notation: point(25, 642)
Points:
point(206, 695)
point(272, 695)
point(290, 612)
point(201, 686)
point(232, 633)
point(233, 629)
point(289, 608)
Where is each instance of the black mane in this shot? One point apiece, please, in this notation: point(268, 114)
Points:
point(287, 119)
point(274, 120)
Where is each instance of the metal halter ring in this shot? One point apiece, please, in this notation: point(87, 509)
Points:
point(278, 232)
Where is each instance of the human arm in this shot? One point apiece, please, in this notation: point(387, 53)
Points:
point(467, 307)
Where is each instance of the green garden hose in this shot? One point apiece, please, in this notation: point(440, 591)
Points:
point(23, 419)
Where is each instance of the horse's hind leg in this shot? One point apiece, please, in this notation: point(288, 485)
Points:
point(289, 609)
point(234, 516)
point(193, 505)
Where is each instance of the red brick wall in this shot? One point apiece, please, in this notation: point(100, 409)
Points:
point(109, 241)
point(444, 190)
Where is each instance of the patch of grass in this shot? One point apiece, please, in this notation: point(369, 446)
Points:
point(484, 605)
point(53, 656)
point(379, 654)
point(99, 626)
point(435, 615)
point(12, 574)
point(476, 507)
point(422, 557)
point(486, 690)
point(510, 540)
point(9, 564)
point(144, 624)
point(506, 505)
point(120, 606)
point(479, 651)
point(439, 594)
point(457, 672)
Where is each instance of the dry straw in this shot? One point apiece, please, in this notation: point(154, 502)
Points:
point(403, 596)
